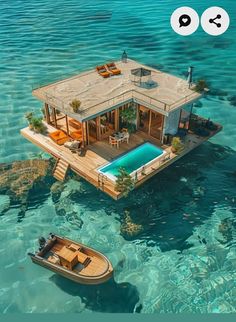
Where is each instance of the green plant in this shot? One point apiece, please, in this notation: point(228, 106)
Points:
point(128, 115)
point(103, 119)
point(37, 125)
point(29, 116)
point(176, 145)
point(124, 182)
point(132, 128)
point(200, 86)
point(75, 104)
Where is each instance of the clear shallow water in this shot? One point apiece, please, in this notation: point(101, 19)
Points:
point(133, 160)
point(183, 259)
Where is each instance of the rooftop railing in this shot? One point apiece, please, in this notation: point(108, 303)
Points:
point(130, 95)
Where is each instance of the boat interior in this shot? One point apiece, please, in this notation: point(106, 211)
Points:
point(74, 257)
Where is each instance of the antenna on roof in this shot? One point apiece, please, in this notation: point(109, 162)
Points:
point(124, 57)
point(190, 76)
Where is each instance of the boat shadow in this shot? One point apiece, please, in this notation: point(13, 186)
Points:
point(109, 297)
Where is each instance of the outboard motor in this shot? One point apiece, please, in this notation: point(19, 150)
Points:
point(42, 242)
point(51, 235)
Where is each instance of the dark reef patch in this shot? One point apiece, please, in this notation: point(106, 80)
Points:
point(26, 182)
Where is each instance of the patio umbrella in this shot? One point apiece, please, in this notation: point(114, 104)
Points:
point(140, 72)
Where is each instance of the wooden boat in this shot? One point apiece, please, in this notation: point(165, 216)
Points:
point(72, 260)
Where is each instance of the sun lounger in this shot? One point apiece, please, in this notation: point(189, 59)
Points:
point(103, 71)
point(113, 69)
point(59, 137)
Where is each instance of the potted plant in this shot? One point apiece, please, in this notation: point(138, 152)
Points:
point(35, 123)
point(176, 145)
point(103, 120)
point(124, 182)
point(75, 104)
point(29, 117)
point(128, 116)
point(201, 86)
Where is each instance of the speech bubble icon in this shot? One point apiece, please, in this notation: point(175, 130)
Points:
point(184, 21)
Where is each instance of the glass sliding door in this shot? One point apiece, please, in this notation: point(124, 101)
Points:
point(156, 125)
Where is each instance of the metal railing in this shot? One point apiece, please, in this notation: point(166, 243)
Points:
point(138, 174)
point(130, 95)
point(150, 167)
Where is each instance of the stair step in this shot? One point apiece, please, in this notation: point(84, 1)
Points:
point(63, 162)
point(58, 178)
point(64, 168)
point(60, 170)
point(60, 173)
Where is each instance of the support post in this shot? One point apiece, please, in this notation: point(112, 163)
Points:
point(47, 114)
point(163, 128)
point(87, 132)
point(150, 122)
point(117, 119)
point(98, 127)
point(67, 126)
point(137, 116)
point(83, 135)
point(54, 116)
point(180, 116)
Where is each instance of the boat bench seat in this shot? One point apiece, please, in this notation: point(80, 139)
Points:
point(74, 247)
point(82, 258)
point(54, 259)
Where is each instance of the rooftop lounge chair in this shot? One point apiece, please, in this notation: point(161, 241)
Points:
point(113, 69)
point(59, 137)
point(103, 71)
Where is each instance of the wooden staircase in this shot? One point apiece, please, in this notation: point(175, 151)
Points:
point(60, 169)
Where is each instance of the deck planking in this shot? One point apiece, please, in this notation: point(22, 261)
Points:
point(100, 153)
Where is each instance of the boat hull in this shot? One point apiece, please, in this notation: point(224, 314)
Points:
point(72, 275)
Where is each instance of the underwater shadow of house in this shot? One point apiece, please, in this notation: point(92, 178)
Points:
point(173, 203)
point(181, 198)
point(109, 297)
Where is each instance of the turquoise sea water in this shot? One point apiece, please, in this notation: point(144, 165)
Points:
point(133, 160)
point(182, 259)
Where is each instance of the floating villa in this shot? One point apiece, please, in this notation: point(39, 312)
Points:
point(119, 115)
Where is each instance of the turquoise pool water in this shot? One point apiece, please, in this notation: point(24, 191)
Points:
point(133, 160)
point(182, 256)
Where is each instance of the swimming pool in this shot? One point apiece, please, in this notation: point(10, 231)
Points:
point(133, 160)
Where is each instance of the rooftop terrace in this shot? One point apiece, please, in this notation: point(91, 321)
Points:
point(98, 95)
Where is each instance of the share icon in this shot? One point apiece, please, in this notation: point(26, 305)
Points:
point(213, 21)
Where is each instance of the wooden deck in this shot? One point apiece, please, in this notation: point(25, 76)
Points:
point(100, 153)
